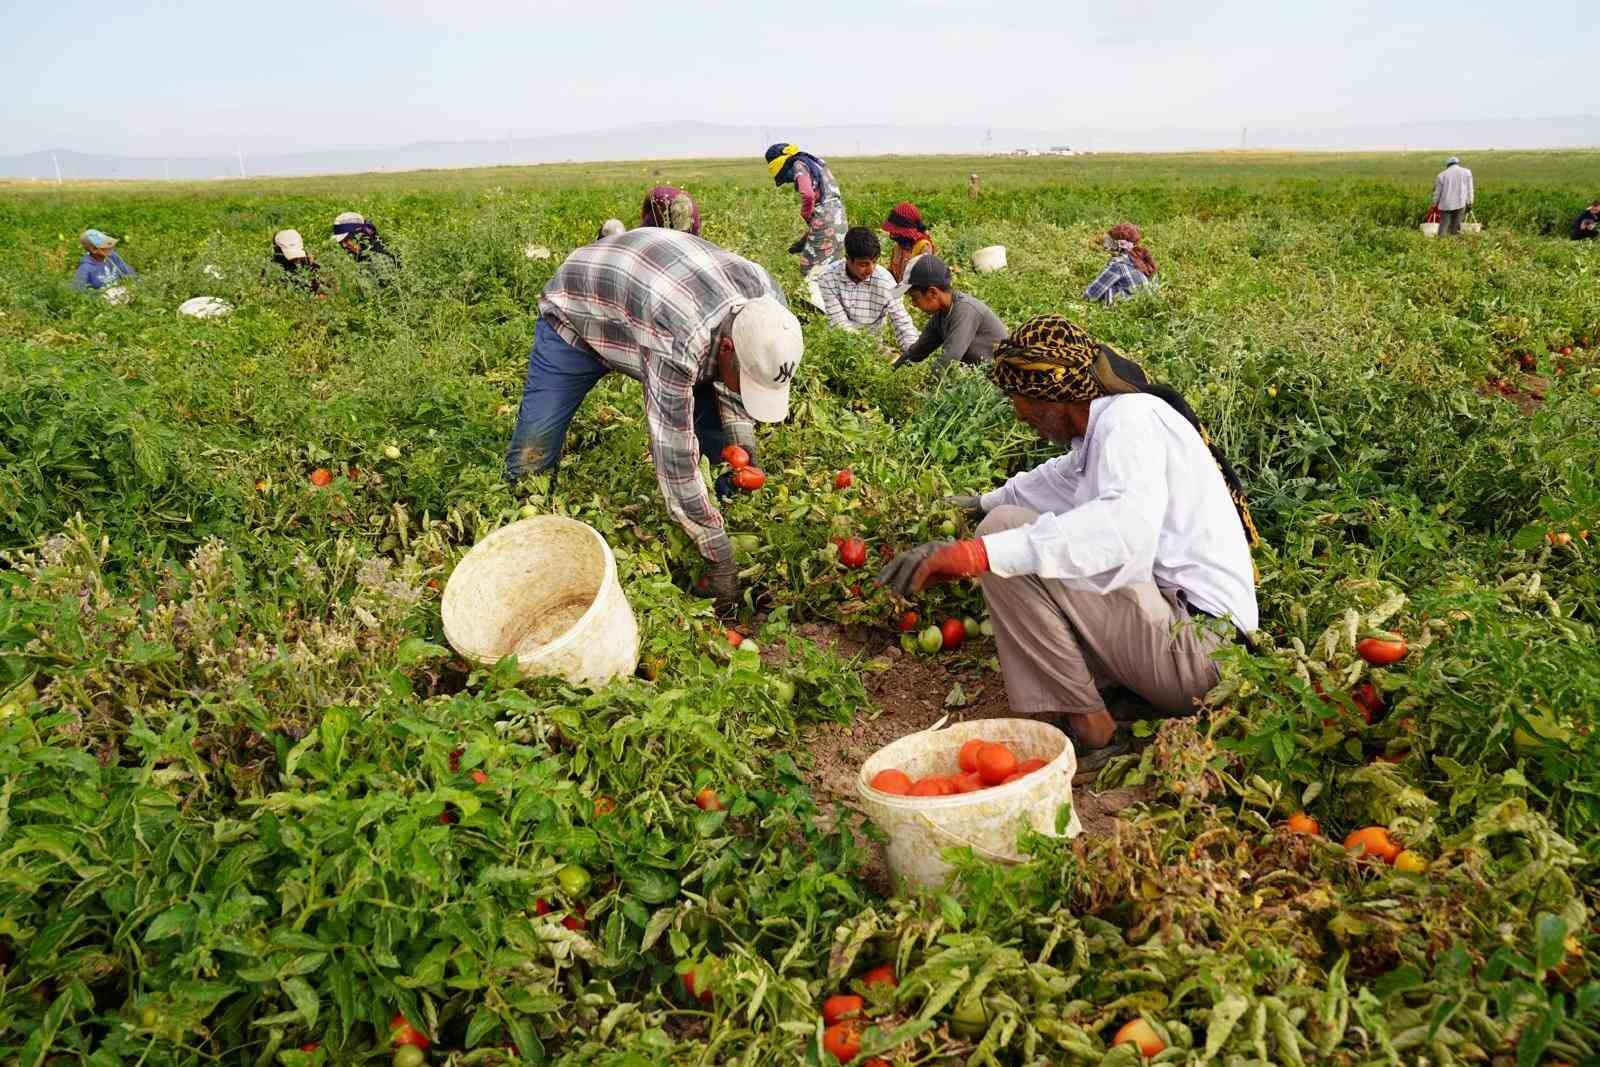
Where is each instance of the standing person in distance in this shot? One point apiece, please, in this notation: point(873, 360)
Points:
point(706, 333)
point(820, 204)
point(1452, 195)
point(960, 324)
point(100, 266)
point(858, 294)
point(1125, 561)
point(1131, 267)
point(911, 238)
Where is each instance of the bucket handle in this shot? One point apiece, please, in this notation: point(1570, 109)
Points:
point(936, 726)
point(987, 854)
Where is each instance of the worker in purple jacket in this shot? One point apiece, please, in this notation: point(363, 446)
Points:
point(100, 265)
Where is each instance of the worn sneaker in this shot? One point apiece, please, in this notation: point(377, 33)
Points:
point(1092, 759)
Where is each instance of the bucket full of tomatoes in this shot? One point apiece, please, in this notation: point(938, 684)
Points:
point(544, 589)
point(970, 784)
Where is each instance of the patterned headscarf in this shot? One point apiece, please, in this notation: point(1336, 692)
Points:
point(1128, 236)
point(1053, 359)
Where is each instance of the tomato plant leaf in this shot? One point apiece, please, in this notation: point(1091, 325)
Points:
point(175, 920)
point(304, 998)
point(1549, 940)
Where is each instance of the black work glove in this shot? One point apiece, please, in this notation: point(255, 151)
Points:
point(722, 582)
point(971, 507)
point(724, 486)
point(798, 247)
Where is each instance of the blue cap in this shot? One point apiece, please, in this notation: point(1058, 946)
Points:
point(96, 239)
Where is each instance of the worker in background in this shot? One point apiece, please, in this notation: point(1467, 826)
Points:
point(820, 204)
point(294, 263)
point(1586, 227)
point(1452, 195)
point(960, 324)
point(359, 237)
point(911, 238)
point(672, 208)
point(1124, 562)
point(1131, 267)
point(708, 335)
point(858, 294)
point(100, 265)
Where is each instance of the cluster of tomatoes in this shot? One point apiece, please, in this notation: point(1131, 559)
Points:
point(746, 475)
point(947, 636)
point(843, 1019)
point(981, 765)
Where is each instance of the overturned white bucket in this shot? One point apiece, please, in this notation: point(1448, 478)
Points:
point(545, 590)
point(988, 260)
point(204, 307)
point(986, 821)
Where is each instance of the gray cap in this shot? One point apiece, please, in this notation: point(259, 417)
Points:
point(928, 272)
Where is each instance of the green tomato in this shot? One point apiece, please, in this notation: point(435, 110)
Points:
point(930, 640)
point(749, 646)
point(986, 628)
point(574, 880)
point(948, 527)
point(783, 691)
point(408, 1056)
point(971, 626)
point(968, 1018)
point(744, 545)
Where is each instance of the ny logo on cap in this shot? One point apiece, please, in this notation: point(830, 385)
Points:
point(785, 372)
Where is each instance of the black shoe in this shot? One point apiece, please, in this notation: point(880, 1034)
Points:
point(1092, 759)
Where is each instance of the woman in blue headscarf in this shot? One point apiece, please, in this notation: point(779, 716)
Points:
point(820, 204)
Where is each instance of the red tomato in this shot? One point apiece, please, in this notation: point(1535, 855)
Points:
point(706, 800)
point(321, 477)
point(892, 781)
point(967, 758)
point(310, 1046)
point(455, 760)
point(883, 974)
point(736, 457)
point(1380, 653)
point(954, 632)
point(604, 805)
point(575, 921)
point(479, 777)
point(843, 479)
point(969, 782)
point(852, 552)
point(932, 786)
point(1368, 700)
point(735, 638)
point(541, 906)
point(1028, 766)
point(403, 1033)
point(842, 1041)
point(691, 984)
point(908, 622)
point(995, 764)
point(842, 1006)
point(749, 478)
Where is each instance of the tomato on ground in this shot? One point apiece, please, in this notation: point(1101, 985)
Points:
point(1374, 841)
point(479, 777)
point(853, 552)
point(842, 1040)
point(735, 638)
point(1301, 823)
point(707, 800)
point(604, 805)
point(930, 640)
point(843, 479)
point(1379, 652)
point(1141, 1034)
point(408, 1056)
point(841, 1006)
point(321, 477)
point(892, 781)
point(908, 621)
point(882, 974)
point(953, 632)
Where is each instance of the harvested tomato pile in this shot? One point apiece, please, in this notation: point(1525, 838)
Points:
point(979, 765)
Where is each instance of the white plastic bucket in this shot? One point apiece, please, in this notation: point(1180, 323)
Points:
point(204, 307)
point(988, 260)
point(1430, 229)
point(535, 252)
point(1472, 227)
point(986, 821)
point(116, 294)
point(546, 590)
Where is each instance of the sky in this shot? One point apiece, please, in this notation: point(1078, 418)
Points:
point(149, 78)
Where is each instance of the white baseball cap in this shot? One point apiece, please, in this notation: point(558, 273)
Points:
point(766, 338)
point(290, 243)
point(612, 227)
point(345, 218)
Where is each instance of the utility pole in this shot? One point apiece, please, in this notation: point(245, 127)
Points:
point(168, 164)
point(1244, 136)
point(57, 163)
point(240, 153)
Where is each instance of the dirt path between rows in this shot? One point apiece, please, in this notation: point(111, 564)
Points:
point(910, 696)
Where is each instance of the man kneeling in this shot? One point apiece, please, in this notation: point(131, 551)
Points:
point(1124, 562)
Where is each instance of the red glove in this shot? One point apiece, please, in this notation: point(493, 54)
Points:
point(936, 561)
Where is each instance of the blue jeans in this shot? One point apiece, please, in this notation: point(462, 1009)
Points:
point(559, 377)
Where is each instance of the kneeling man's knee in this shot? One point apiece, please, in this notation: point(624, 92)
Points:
point(1006, 517)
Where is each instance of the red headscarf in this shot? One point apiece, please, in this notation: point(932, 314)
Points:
point(905, 222)
point(1127, 231)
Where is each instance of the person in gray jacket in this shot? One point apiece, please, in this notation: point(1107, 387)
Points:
point(962, 325)
point(1452, 195)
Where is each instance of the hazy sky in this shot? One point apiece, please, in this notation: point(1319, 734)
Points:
point(141, 77)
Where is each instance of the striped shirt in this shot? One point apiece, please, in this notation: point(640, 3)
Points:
point(1120, 278)
point(864, 305)
point(653, 304)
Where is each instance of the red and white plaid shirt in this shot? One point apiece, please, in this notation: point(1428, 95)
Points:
point(652, 304)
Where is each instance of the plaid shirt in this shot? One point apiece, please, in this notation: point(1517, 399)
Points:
point(864, 305)
point(652, 304)
point(1119, 279)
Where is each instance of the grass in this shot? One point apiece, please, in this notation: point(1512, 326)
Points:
point(238, 815)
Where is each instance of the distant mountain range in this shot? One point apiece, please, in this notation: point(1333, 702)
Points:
point(682, 140)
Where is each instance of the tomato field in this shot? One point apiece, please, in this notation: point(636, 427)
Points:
point(254, 810)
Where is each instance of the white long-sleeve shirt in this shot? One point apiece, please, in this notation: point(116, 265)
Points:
point(1452, 189)
point(855, 305)
point(1139, 498)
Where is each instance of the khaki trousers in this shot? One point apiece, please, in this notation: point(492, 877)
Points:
point(1060, 645)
